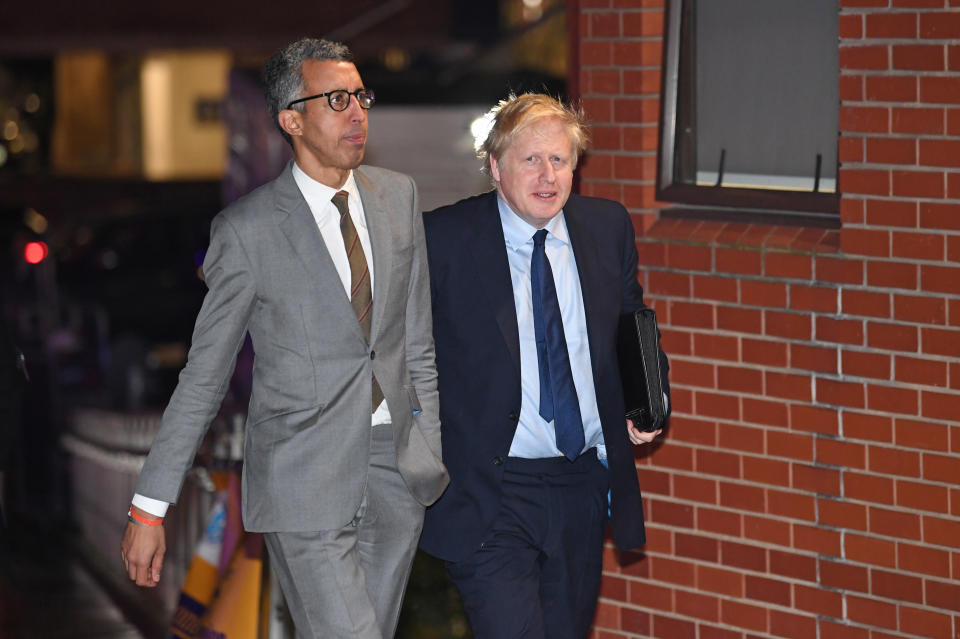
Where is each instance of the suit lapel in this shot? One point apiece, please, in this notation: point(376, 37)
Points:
point(300, 228)
point(378, 226)
point(490, 258)
point(585, 247)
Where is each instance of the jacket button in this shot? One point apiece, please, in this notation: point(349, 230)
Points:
point(498, 461)
point(513, 417)
point(373, 354)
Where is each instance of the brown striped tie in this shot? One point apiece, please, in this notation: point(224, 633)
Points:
point(361, 297)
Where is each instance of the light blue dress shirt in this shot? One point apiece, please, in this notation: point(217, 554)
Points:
point(535, 437)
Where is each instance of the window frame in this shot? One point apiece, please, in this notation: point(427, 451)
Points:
point(759, 202)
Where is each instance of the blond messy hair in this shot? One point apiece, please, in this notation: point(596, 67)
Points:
point(511, 116)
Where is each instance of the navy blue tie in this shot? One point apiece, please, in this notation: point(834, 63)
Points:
point(558, 395)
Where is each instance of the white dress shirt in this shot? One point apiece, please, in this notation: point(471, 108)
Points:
point(319, 198)
point(535, 437)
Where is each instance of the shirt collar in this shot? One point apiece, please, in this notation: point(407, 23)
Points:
point(318, 193)
point(517, 232)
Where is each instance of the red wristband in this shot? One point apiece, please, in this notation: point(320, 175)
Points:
point(143, 520)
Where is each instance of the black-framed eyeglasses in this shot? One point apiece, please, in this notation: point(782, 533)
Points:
point(339, 100)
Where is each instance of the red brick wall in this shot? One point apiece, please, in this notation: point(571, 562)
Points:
point(810, 483)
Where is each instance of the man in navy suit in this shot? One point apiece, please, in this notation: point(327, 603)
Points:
point(528, 284)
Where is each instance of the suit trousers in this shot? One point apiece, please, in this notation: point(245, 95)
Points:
point(349, 583)
point(536, 575)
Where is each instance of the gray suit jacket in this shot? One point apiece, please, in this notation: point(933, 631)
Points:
point(308, 424)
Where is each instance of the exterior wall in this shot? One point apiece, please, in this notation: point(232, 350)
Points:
point(810, 482)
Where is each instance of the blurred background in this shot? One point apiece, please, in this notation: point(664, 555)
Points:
point(809, 485)
point(124, 128)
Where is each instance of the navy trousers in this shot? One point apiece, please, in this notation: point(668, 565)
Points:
point(537, 573)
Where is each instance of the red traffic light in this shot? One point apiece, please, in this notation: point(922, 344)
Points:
point(35, 252)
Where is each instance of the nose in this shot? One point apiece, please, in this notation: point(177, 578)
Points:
point(357, 112)
point(548, 174)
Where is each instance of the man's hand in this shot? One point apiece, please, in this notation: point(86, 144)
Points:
point(638, 437)
point(142, 550)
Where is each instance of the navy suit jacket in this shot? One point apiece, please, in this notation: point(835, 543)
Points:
point(478, 359)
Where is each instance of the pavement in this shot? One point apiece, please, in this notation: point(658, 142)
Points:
point(47, 591)
point(53, 586)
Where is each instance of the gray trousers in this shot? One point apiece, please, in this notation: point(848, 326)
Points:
point(349, 583)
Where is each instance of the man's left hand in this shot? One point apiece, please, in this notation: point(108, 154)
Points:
point(638, 437)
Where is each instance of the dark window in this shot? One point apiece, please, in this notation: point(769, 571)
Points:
point(749, 111)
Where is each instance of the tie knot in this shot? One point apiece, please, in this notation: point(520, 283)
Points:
point(339, 200)
point(540, 237)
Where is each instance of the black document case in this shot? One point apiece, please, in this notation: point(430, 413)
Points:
point(638, 351)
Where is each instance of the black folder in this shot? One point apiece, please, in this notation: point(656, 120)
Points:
point(638, 351)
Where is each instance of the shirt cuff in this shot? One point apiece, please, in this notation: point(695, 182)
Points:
point(155, 507)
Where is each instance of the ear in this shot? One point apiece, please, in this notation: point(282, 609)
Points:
point(291, 121)
point(494, 169)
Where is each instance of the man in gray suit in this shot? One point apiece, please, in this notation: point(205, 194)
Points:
point(326, 268)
